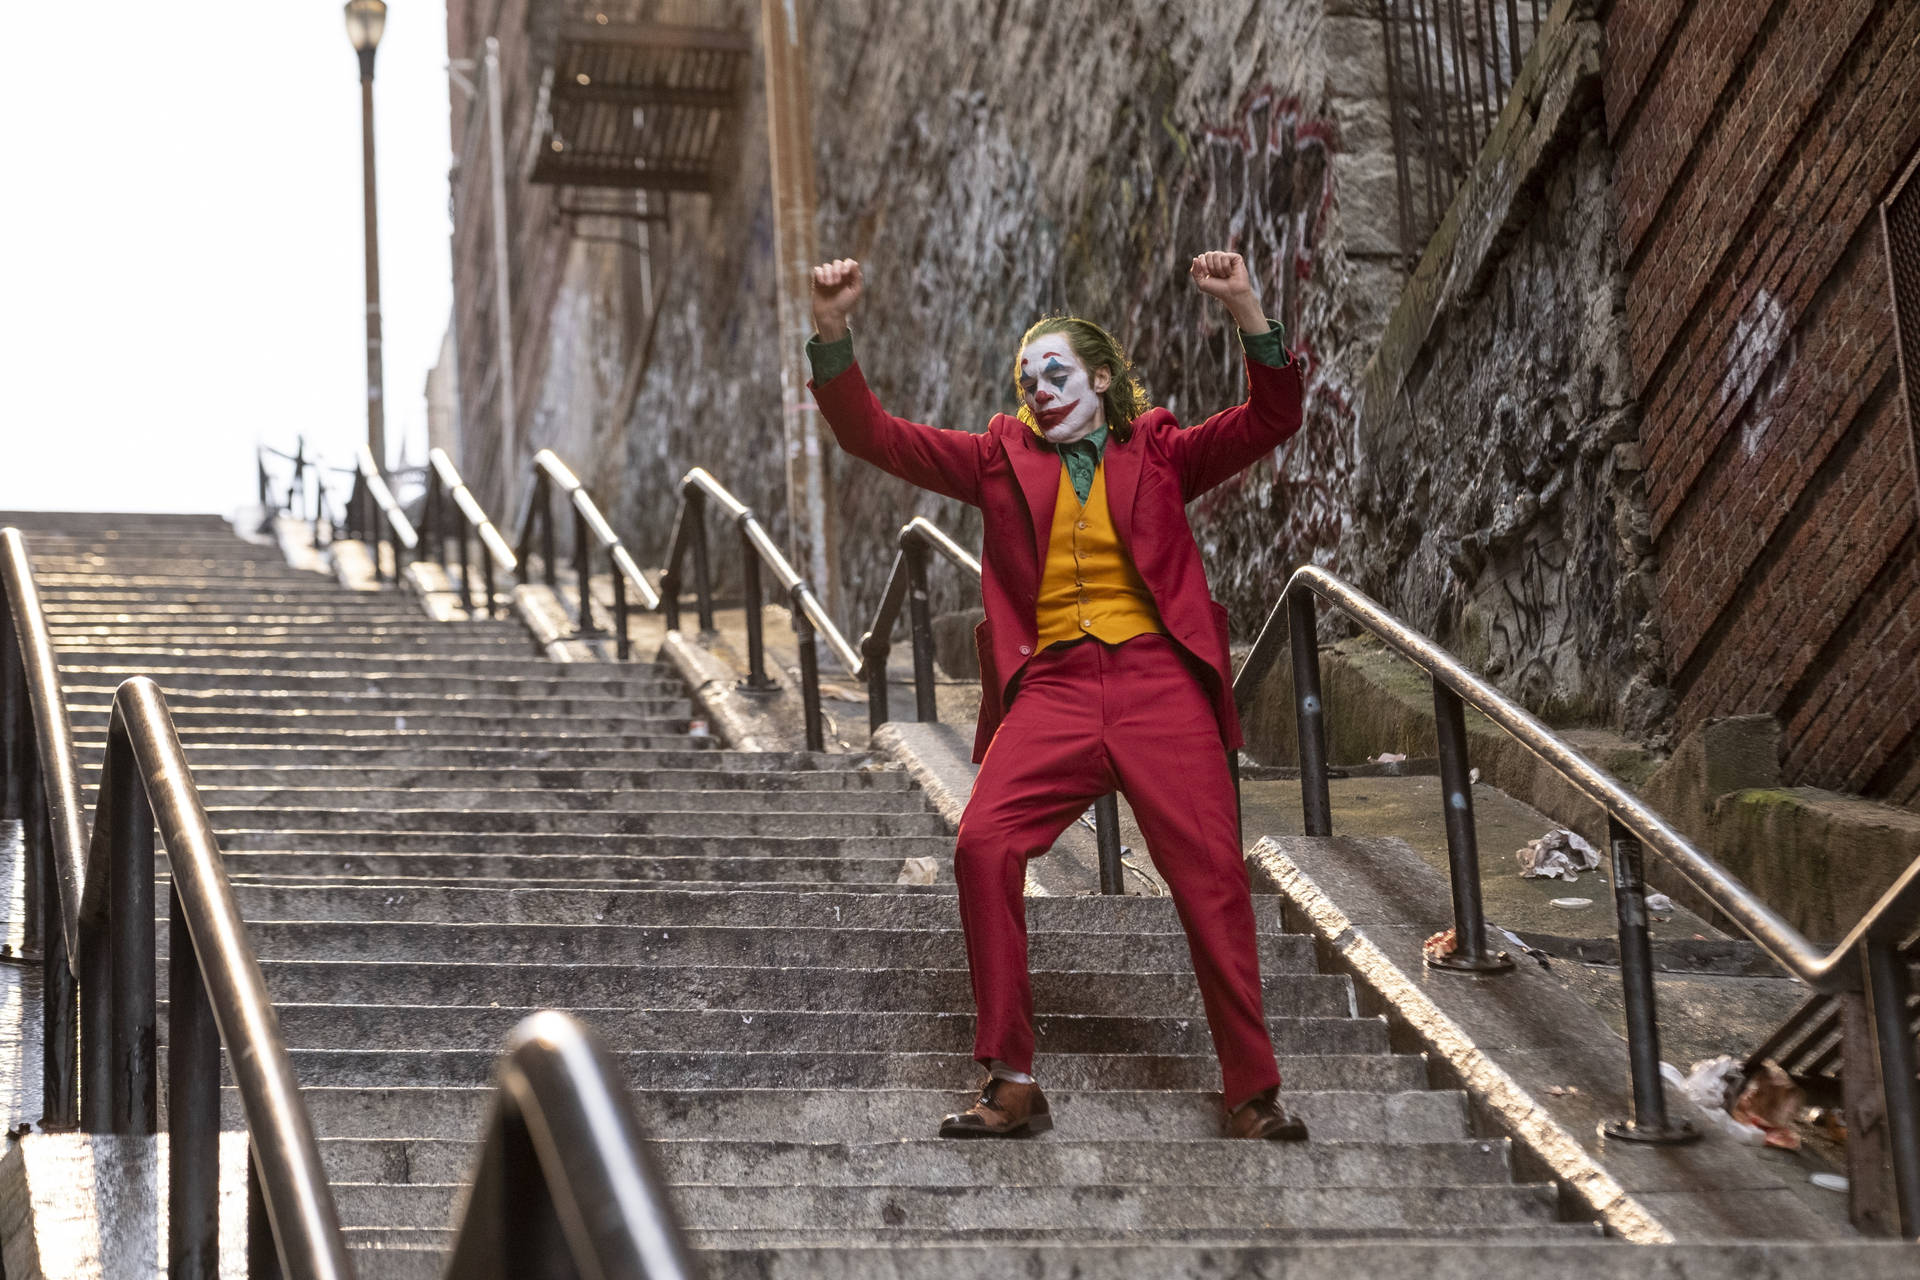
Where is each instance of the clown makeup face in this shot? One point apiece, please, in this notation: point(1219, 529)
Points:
point(1058, 390)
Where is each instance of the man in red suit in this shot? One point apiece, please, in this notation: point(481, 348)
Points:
point(1103, 658)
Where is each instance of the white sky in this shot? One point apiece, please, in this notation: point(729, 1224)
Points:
point(181, 268)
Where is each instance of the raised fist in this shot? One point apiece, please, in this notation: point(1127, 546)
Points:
point(1222, 275)
point(836, 288)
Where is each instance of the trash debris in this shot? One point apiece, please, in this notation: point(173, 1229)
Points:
point(1440, 945)
point(1769, 1103)
point(1562, 1090)
point(1558, 854)
point(1571, 904)
point(918, 871)
point(1387, 757)
point(1520, 944)
point(1828, 1181)
point(698, 729)
point(1473, 776)
point(1660, 906)
point(1713, 1083)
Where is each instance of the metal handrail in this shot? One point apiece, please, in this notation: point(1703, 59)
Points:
point(810, 619)
point(906, 587)
point(374, 515)
point(445, 485)
point(549, 473)
point(1867, 960)
point(100, 1067)
point(563, 1170)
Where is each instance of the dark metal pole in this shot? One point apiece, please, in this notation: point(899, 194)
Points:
point(486, 575)
point(809, 677)
point(1889, 989)
point(926, 704)
point(551, 573)
point(756, 680)
point(874, 649)
point(466, 568)
point(702, 572)
point(1463, 852)
point(583, 570)
point(1106, 830)
point(60, 1025)
point(376, 412)
point(130, 926)
point(1650, 1122)
point(1316, 802)
point(623, 643)
point(193, 1111)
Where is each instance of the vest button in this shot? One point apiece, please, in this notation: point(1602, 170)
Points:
point(1081, 525)
point(1085, 625)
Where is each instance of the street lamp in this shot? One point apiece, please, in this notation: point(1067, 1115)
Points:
point(366, 19)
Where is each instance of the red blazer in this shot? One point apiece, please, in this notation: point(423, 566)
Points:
point(1013, 477)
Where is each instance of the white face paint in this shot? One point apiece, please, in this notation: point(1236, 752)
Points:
point(1057, 390)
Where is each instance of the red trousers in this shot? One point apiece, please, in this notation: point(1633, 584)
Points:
point(1089, 717)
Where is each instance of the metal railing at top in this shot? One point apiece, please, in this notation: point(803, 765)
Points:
point(1867, 961)
point(550, 476)
point(374, 516)
point(1450, 66)
point(563, 1171)
point(450, 503)
point(99, 957)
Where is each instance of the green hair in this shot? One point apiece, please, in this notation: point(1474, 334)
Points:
point(1123, 400)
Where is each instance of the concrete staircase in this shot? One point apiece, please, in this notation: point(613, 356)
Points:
point(435, 832)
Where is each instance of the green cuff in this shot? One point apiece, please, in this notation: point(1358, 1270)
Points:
point(1269, 348)
point(829, 359)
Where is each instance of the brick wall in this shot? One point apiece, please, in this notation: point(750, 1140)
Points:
point(1753, 144)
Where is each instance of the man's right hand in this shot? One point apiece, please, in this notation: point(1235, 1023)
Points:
point(836, 288)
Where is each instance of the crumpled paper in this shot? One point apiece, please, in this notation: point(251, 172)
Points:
point(1756, 1111)
point(919, 871)
point(1558, 854)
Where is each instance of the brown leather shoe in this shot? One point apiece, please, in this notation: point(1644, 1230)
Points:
point(1262, 1116)
point(1004, 1109)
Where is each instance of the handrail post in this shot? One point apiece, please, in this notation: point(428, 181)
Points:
point(756, 680)
point(193, 1110)
point(1106, 830)
point(583, 571)
point(486, 576)
point(696, 503)
point(130, 929)
point(874, 649)
point(1469, 954)
point(623, 643)
point(1650, 1122)
point(263, 1254)
point(60, 1021)
point(1889, 992)
point(1316, 803)
point(809, 675)
point(550, 574)
point(926, 705)
point(466, 568)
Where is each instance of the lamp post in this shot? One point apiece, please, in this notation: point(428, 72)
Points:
point(366, 19)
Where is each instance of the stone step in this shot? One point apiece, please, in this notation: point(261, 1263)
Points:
point(739, 1069)
point(607, 826)
point(790, 884)
point(931, 1162)
point(321, 646)
point(370, 661)
point(425, 750)
point(596, 781)
point(830, 866)
point(826, 946)
point(794, 987)
point(675, 908)
point(549, 799)
point(309, 1026)
point(215, 721)
point(197, 709)
point(1085, 1208)
point(339, 738)
point(818, 1112)
point(642, 682)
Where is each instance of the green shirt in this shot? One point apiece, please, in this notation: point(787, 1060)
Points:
point(1082, 457)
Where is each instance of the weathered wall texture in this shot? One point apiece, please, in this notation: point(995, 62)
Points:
point(1754, 143)
point(989, 162)
point(1498, 506)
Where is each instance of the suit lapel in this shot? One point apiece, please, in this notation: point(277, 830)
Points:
point(1121, 461)
point(1038, 470)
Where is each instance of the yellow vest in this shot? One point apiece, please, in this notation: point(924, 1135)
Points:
point(1089, 586)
